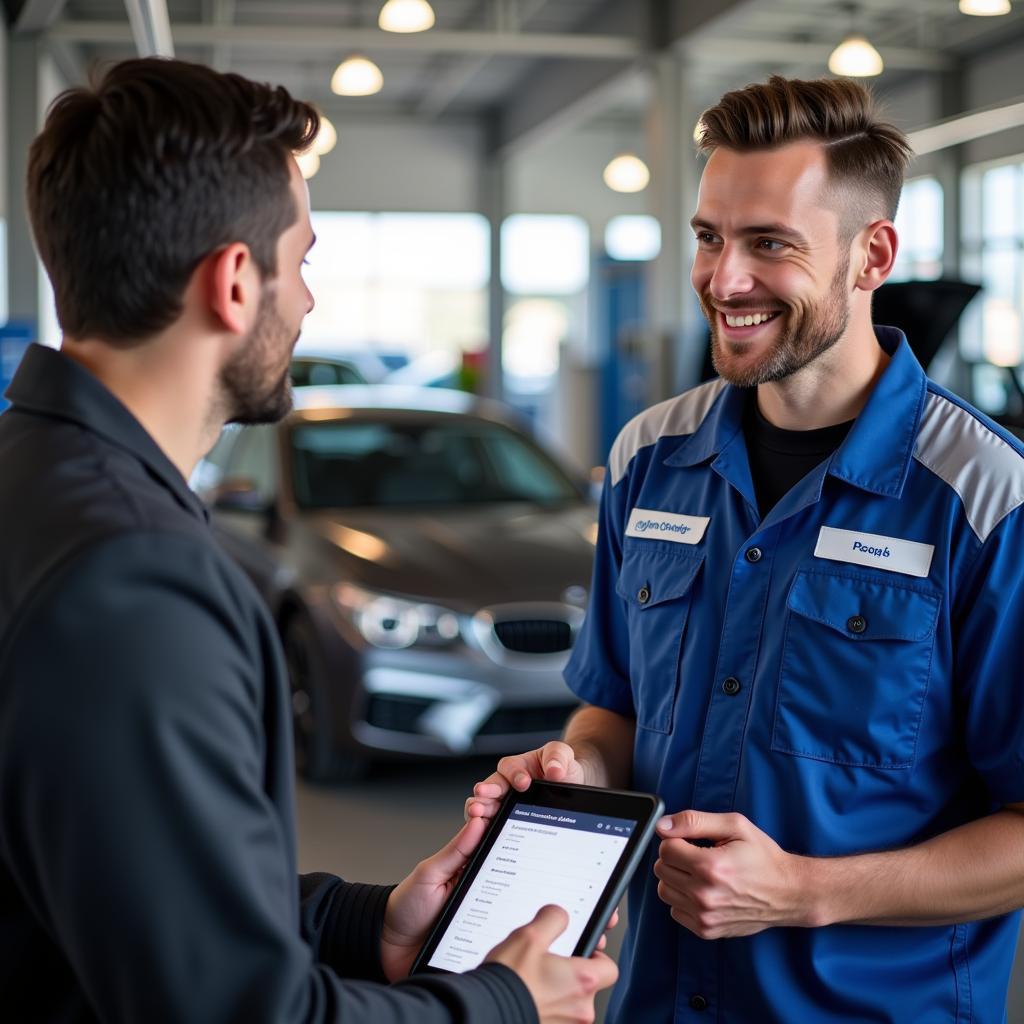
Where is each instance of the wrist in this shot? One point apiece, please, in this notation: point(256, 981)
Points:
point(816, 891)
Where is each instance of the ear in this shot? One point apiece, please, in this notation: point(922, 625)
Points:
point(234, 287)
point(877, 254)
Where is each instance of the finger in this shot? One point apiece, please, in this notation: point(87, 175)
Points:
point(476, 808)
point(718, 828)
point(555, 758)
point(682, 854)
point(452, 857)
point(549, 922)
point(613, 920)
point(672, 875)
point(516, 770)
point(491, 790)
point(607, 972)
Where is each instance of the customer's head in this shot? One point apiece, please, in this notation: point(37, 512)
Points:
point(137, 178)
point(793, 223)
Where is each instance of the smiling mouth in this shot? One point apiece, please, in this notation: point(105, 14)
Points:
point(748, 319)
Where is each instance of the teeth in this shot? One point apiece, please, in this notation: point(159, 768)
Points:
point(750, 320)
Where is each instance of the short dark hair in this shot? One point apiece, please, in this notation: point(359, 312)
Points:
point(862, 150)
point(139, 176)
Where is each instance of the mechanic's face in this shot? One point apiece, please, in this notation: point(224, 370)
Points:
point(771, 268)
point(255, 380)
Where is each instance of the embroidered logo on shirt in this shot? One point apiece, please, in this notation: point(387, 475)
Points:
point(880, 552)
point(655, 525)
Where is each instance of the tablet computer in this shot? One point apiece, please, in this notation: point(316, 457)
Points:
point(575, 846)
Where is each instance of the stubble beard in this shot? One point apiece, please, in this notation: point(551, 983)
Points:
point(249, 396)
point(802, 339)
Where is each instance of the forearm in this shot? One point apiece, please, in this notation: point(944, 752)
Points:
point(971, 872)
point(603, 742)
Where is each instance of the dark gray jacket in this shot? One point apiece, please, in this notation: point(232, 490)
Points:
point(147, 843)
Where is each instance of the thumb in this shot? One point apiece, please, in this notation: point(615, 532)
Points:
point(695, 825)
point(455, 854)
point(549, 922)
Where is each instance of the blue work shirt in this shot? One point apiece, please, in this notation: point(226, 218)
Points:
point(845, 672)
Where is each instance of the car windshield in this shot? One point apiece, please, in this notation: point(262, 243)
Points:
point(420, 461)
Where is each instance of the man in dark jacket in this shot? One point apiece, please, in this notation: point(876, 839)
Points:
point(147, 849)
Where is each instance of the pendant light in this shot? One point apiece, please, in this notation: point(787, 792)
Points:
point(356, 76)
point(406, 16)
point(326, 138)
point(309, 163)
point(626, 173)
point(855, 57)
point(985, 8)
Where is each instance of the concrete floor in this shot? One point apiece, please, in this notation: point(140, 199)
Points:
point(376, 830)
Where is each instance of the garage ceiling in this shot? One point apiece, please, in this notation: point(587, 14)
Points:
point(515, 61)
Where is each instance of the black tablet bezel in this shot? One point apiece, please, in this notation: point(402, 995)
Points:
point(642, 808)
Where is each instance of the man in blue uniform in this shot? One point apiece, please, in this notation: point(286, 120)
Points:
point(806, 620)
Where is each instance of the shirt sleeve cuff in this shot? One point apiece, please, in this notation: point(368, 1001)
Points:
point(343, 921)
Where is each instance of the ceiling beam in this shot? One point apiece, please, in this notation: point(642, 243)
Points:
point(332, 38)
point(150, 27)
point(36, 15)
point(955, 131)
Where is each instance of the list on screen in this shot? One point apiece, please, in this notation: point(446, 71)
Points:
point(542, 855)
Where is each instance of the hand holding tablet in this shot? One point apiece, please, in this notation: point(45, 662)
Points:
point(572, 846)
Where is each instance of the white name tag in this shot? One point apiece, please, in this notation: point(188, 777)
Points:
point(890, 553)
point(645, 522)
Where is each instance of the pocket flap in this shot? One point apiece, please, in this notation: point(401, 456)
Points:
point(864, 609)
point(653, 575)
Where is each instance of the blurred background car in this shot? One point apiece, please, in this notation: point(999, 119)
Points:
point(426, 562)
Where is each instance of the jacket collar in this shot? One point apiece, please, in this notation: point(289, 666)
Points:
point(48, 383)
point(876, 454)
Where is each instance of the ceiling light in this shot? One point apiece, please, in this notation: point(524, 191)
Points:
point(309, 163)
point(406, 16)
point(855, 57)
point(984, 8)
point(326, 138)
point(626, 173)
point(356, 76)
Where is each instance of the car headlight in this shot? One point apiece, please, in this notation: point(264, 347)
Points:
point(393, 622)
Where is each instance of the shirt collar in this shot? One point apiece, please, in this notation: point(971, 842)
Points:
point(873, 457)
point(47, 382)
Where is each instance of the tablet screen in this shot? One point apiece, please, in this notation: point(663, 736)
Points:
point(541, 856)
point(553, 844)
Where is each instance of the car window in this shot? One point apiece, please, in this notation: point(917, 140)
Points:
point(421, 461)
point(252, 457)
point(323, 373)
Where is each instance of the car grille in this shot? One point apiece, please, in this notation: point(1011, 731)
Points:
point(399, 713)
point(534, 636)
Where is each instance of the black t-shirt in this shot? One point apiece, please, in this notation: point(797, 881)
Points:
point(779, 458)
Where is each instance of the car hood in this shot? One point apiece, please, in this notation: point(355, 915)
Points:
point(464, 558)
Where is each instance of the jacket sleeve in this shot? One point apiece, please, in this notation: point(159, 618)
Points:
point(135, 819)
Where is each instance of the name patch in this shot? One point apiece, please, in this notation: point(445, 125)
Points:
point(889, 553)
point(654, 525)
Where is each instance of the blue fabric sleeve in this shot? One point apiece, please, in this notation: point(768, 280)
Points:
point(598, 671)
point(989, 653)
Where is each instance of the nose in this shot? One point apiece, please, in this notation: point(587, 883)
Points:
point(310, 301)
point(730, 274)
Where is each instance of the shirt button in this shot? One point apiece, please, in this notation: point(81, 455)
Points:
point(643, 595)
point(731, 686)
point(698, 1002)
point(856, 623)
point(754, 554)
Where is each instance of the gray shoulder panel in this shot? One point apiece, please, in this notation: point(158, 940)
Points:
point(985, 470)
point(675, 417)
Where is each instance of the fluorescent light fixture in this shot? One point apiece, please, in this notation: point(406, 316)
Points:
point(309, 163)
point(406, 16)
point(326, 138)
point(356, 76)
point(984, 8)
point(855, 57)
point(967, 127)
point(626, 173)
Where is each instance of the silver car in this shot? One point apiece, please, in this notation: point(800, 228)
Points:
point(426, 562)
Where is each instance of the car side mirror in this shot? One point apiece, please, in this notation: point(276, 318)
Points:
point(239, 494)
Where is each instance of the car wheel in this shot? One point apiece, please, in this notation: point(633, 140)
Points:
point(316, 757)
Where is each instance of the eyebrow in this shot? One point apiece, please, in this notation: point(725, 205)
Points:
point(777, 228)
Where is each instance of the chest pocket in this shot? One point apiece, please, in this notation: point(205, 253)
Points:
point(656, 583)
point(856, 659)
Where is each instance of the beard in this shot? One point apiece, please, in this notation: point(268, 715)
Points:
point(803, 336)
point(254, 389)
